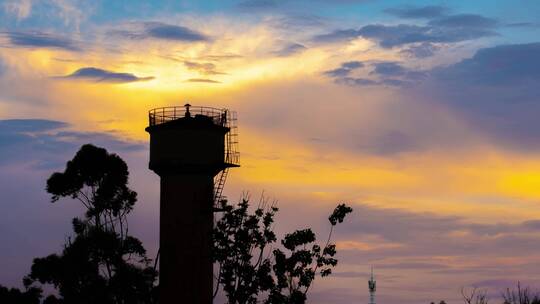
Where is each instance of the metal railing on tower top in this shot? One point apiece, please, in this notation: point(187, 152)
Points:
point(162, 115)
point(220, 117)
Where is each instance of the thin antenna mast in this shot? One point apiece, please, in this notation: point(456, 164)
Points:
point(372, 284)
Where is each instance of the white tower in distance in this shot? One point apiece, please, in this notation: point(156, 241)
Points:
point(372, 284)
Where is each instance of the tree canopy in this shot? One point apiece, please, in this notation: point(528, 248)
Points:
point(101, 263)
point(249, 271)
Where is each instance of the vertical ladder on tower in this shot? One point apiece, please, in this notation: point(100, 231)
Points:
point(219, 184)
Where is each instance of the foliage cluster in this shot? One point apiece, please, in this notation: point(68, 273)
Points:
point(251, 271)
point(101, 263)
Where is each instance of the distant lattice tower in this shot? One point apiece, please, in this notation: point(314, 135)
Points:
point(372, 284)
point(189, 147)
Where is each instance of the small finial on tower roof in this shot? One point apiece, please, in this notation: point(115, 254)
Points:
point(187, 105)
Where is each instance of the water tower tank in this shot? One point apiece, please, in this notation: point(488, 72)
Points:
point(189, 146)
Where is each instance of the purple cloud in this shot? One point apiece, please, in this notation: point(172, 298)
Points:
point(290, 49)
point(422, 50)
point(204, 68)
point(37, 39)
point(443, 29)
point(100, 75)
point(337, 36)
point(173, 32)
point(465, 21)
point(202, 80)
point(388, 73)
point(158, 30)
point(345, 69)
point(390, 36)
point(410, 12)
point(389, 68)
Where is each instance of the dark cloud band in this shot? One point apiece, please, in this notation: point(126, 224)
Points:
point(158, 30)
point(100, 75)
point(202, 80)
point(41, 40)
point(430, 11)
point(446, 29)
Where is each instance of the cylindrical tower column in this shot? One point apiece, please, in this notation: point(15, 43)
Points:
point(186, 221)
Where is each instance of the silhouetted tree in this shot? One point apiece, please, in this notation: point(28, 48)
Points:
point(474, 296)
point(249, 270)
point(520, 296)
point(31, 295)
point(102, 263)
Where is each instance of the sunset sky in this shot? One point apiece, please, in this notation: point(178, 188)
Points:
point(424, 116)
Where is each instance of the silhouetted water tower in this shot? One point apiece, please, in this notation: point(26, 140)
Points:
point(191, 149)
